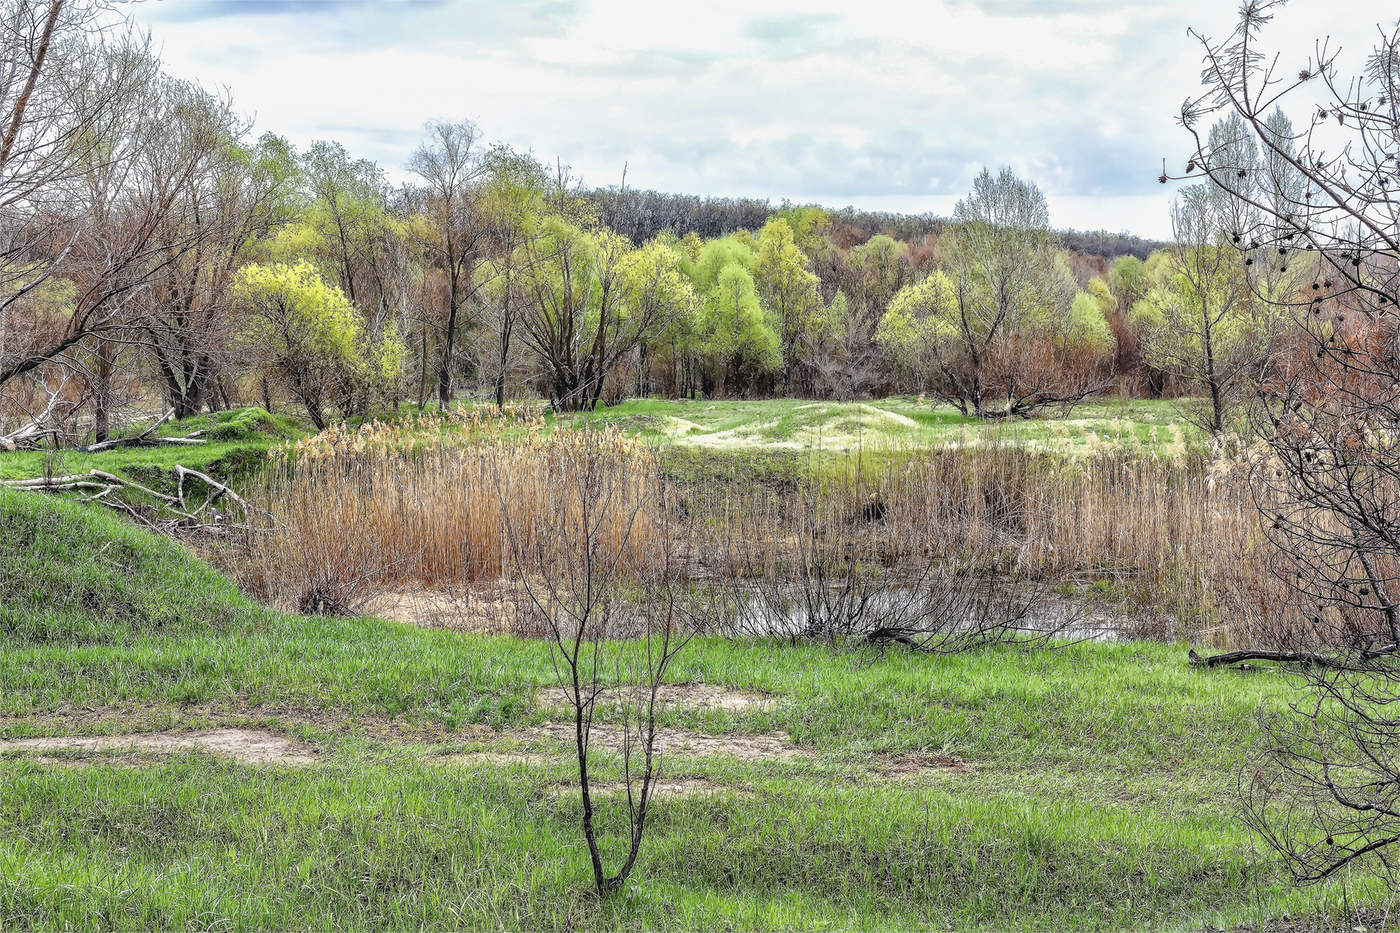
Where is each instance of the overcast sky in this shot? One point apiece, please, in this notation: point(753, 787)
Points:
point(884, 105)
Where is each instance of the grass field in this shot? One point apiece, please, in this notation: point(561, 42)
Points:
point(1153, 427)
point(1098, 794)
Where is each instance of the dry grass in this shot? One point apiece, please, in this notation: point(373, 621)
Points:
point(423, 503)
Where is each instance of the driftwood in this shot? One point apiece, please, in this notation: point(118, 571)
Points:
point(145, 439)
point(38, 426)
point(92, 479)
point(219, 489)
point(101, 485)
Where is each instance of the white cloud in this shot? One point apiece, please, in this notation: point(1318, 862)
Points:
point(883, 103)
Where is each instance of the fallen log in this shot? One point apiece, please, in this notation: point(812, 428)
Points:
point(86, 480)
point(1257, 654)
point(145, 439)
point(219, 489)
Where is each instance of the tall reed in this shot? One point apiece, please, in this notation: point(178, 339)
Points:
point(346, 513)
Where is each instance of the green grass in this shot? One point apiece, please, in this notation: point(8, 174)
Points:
point(1102, 795)
point(235, 443)
point(794, 425)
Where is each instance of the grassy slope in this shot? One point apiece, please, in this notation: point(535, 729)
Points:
point(235, 441)
point(1101, 797)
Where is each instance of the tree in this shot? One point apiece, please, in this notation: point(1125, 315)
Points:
point(239, 193)
point(1200, 323)
point(734, 332)
point(451, 165)
point(308, 333)
point(880, 266)
point(1004, 350)
point(349, 229)
point(920, 320)
point(512, 203)
point(1325, 794)
point(73, 93)
point(789, 290)
point(591, 299)
point(607, 576)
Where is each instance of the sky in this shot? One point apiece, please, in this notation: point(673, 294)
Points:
point(878, 104)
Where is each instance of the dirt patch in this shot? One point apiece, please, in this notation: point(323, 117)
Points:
point(153, 718)
point(480, 613)
point(681, 787)
point(679, 742)
point(689, 695)
point(910, 764)
point(250, 746)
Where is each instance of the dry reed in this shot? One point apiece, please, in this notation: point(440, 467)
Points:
point(424, 503)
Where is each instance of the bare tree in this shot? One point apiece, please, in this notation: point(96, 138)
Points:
point(606, 577)
point(451, 165)
point(238, 194)
point(67, 86)
point(1327, 792)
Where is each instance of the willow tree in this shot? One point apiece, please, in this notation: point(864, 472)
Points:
point(790, 291)
point(736, 335)
point(996, 329)
point(308, 335)
point(511, 204)
point(590, 300)
point(1201, 323)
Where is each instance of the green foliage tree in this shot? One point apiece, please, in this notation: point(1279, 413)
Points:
point(734, 332)
point(921, 326)
point(591, 300)
point(879, 268)
point(1010, 342)
point(790, 291)
point(309, 335)
point(512, 204)
point(1200, 322)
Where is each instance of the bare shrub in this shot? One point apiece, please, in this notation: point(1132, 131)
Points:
point(852, 559)
point(604, 573)
point(1326, 792)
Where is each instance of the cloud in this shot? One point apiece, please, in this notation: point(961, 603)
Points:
point(885, 102)
point(788, 27)
point(194, 10)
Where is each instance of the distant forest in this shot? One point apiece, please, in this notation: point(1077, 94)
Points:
point(642, 214)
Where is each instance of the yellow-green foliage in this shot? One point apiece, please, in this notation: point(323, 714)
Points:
point(1199, 294)
point(1085, 325)
point(291, 308)
point(919, 318)
point(733, 326)
point(792, 291)
point(307, 332)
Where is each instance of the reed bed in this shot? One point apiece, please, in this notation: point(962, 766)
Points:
point(1178, 537)
point(436, 502)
